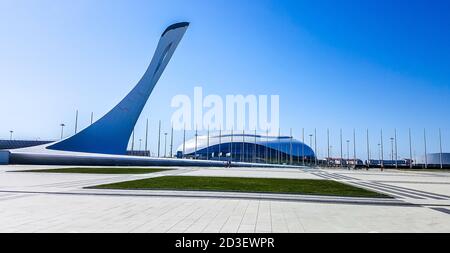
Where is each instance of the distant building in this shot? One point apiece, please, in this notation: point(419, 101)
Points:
point(138, 153)
point(389, 163)
point(337, 162)
point(435, 159)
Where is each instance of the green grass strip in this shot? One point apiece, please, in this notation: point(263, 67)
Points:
point(235, 184)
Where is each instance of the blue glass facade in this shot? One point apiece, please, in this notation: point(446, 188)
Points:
point(248, 148)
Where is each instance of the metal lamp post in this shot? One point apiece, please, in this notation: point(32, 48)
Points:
point(159, 138)
point(62, 129)
point(410, 150)
point(440, 149)
point(340, 138)
point(379, 152)
point(231, 145)
point(267, 155)
point(310, 142)
point(132, 141)
point(184, 141)
point(382, 149)
point(207, 145)
point(328, 147)
point(348, 149)
point(242, 150)
point(165, 145)
point(303, 146)
point(146, 136)
point(368, 149)
point(279, 147)
point(290, 147)
point(354, 147)
point(76, 122)
point(425, 147)
point(171, 143)
point(396, 150)
point(196, 135)
point(315, 147)
point(392, 148)
point(348, 152)
point(220, 143)
point(254, 150)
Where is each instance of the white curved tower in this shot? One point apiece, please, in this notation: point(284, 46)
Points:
point(111, 133)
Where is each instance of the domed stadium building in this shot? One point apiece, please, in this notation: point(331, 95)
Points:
point(247, 148)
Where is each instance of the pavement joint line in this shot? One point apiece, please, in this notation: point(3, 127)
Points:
point(395, 188)
point(243, 215)
point(322, 176)
point(183, 220)
point(413, 191)
point(397, 192)
point(365, 185)
point(334, 176)
point(437, 205)
point(209, 223)
point(15, 196)
point(401, 190)
point(406, 190)
point(442, 210)
point(408, 182)
point(257, 216)
point(389, 174)
point(252, 196)
point(376, 189)
point(339, 176)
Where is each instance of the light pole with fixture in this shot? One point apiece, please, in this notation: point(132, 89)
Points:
point(354, 146)
point(159, 138)
point(382, 149)
point(196, 135)
point(315, 147)
point(379, 152)
point(410, 150)
point(76, 121)
point(348, 153)
point(440, 149)
point(396, 150)
point(184, 141)
point(146, 136)
point(310, 144)
point(328, 147)
point(425, 147)
point(392, 148)
point(171, 143)
point(340, 138)
point(62, 129)
point(165, 145)
point(368, 149)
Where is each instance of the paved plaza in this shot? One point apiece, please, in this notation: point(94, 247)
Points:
point(52, 202)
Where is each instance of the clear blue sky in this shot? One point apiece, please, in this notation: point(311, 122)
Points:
point(338, 64)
